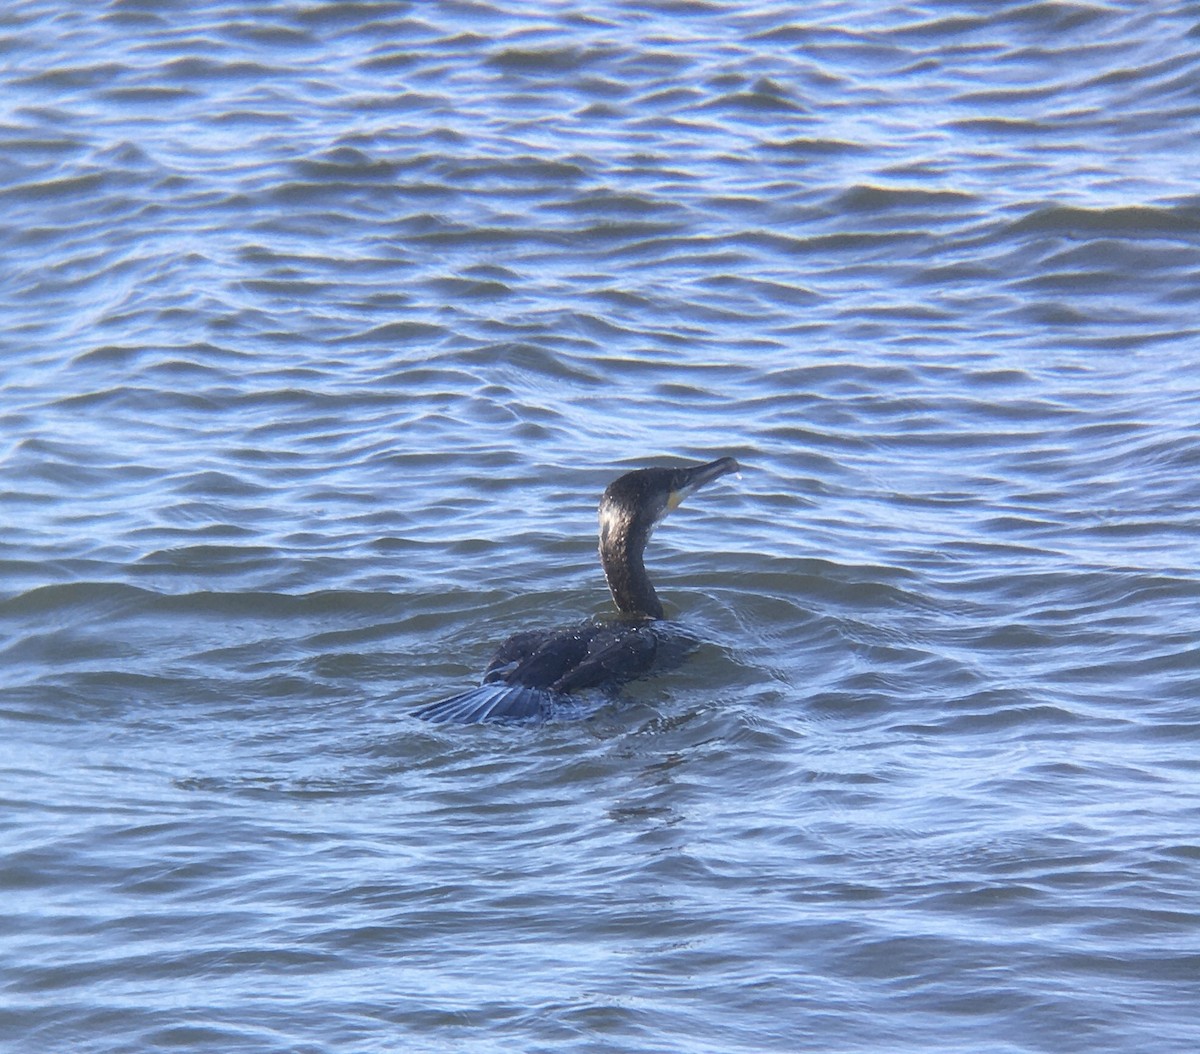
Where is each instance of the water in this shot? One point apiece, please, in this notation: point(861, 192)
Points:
point(325, 325)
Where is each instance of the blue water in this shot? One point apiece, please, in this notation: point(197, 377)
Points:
point(324, 326)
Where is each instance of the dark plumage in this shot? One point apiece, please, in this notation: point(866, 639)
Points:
point(535, 673)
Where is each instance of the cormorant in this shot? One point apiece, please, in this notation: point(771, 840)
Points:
point(535, 673)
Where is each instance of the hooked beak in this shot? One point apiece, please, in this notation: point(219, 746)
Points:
point(691, 480)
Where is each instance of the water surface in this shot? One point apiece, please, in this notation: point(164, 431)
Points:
point(324, 327)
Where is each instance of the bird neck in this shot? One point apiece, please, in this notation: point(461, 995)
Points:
point(631, 588)
point(621, 557)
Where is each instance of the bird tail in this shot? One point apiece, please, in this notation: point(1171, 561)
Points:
point(492, 702)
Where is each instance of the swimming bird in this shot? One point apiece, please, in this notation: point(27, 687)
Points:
point(536, 674)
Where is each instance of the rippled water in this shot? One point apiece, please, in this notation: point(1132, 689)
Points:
point(324, 326)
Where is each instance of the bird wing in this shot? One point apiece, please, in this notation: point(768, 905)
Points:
point(614, 655)
point(491, 702)
point(513, 652)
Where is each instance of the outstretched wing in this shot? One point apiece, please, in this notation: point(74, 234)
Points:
point(491, 702)
point(534, 674)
